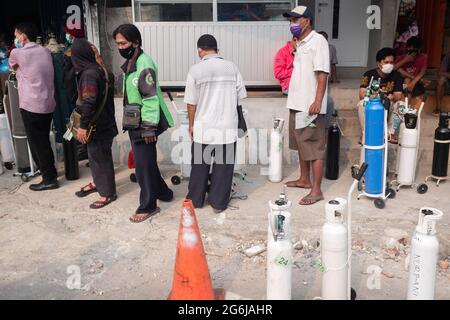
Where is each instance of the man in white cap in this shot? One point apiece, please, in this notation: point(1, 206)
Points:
point(307, 103)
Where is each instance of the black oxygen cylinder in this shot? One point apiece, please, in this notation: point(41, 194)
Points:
point(333, 150)
point(441, 147)
point(71, 167)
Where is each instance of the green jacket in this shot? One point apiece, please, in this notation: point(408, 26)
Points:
point(142, 88)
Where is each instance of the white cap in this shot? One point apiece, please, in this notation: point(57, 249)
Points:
point(299, 12)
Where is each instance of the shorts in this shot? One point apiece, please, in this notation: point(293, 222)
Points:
point(309, 142)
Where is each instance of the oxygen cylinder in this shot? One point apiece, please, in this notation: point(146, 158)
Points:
point(6, 143)
point(441, 147)
point(279, 251)
point(186, 144)
point(408, 151)
point(335, 259)
point(375, 146)
point(333, 150)
point(52, 138)
point(424, 256)
point(18, 132)
point(276, 151)
point(71, 166)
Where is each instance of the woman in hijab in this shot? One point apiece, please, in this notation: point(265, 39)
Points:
point(92, 84)
point(69, 77)
point(142, 89)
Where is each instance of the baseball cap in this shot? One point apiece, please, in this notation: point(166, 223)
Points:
point(299, 12)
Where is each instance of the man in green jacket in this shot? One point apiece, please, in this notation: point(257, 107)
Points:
point(141, 88)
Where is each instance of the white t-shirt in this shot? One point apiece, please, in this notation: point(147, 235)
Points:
point(313, 54)
point(216, 87)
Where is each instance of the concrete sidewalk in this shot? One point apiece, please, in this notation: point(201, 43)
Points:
point(46, 237)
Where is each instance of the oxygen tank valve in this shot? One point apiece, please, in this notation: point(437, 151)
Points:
point(443, 119)
point(427, 220)
point(282, 201)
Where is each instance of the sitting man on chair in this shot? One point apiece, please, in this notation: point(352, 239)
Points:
point(413, 67)
point(391, 84)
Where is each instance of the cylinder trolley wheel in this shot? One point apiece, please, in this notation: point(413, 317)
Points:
point(133, 178)
point(24, 177)
point(9, 165)
point(176, 180)
point(380, 204)
point(390, 193)
point(422, 188)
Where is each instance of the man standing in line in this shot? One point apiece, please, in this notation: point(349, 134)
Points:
point(308, 104)
point(214, 89)
point(35, 78)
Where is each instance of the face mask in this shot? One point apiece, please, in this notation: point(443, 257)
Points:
point(127, 53)
point(17, 43)
point(296, 30)
point(69, 39)
point(387, 68)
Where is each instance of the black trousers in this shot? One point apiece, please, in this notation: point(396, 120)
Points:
point(102, 166)
point(218, 185)
point(153, 186)
point(37, 128)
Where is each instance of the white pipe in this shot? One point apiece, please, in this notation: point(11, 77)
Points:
point(349, 226)
point(386, 148)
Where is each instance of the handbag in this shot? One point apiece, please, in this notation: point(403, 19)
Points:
point(242, 124)
point(75, 117)
point(131, 114)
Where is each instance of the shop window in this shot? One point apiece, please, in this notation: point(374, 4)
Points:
point(236, 10)
point(173, 10)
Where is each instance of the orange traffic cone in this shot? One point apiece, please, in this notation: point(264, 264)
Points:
point(191, 280)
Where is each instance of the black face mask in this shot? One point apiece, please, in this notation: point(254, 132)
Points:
point(127, 53)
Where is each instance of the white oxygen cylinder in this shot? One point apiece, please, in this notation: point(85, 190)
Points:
point(334, 246)
point(424, 256)
point(276, 151)
point(52, 138)
point(407, 156)
point(186, 143)
point(6, 142)
point(279, 251)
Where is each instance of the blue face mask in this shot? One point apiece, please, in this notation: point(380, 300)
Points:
point(296, 30)
point(17, 43)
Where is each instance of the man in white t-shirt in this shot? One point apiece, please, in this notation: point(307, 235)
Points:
point(214, 88)
point(307, 96)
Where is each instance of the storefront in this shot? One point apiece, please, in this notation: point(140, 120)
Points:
point(249, 32)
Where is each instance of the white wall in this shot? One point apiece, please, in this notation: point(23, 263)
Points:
point(250, 45)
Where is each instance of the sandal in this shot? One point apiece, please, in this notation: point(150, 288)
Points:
point(309, 200)
point(84, 193)
point(144, 216)
point(101, 204)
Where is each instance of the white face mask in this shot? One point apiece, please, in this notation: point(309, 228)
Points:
point(387, 68)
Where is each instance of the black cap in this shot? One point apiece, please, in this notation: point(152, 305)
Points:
point(207, 42)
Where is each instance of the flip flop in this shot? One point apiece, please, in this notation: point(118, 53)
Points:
point(309, 201)
point(84, 193)
point(293, 184)
point(101, 204)
point(145, 216)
